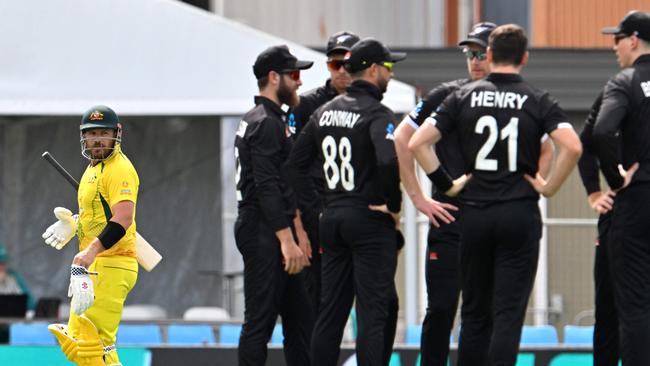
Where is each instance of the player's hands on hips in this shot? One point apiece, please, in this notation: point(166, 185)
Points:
point(539, 185)
point(432, 209)
point(627, 175)
point(61, 232)
point(384, 208)
point(294, 259)
point(81, 289)
point(459, 184)
point(601, 202)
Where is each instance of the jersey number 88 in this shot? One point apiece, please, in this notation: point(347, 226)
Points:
point(333, 173)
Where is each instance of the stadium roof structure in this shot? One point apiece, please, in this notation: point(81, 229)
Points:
point(147, 57)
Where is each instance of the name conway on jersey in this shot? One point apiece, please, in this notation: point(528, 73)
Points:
point(353, 136)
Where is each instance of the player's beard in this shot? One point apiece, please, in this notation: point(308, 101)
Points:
point(99, 152)
point(382, 83)
point(287, 95)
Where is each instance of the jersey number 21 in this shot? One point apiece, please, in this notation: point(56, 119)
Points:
point(510, 132)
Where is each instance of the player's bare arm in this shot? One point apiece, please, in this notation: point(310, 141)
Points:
point(569, 151)
point(421, 147)
point(428, 206)
point(546, 157)
point(122, 216)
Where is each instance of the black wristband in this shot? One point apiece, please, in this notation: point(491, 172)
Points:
point(111, 234)
point(441, 179)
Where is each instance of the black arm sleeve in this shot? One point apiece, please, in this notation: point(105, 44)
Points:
point(429, 104)
point(303, 154)
point(266, 146)
point(606, 145)
point(588, 163)
point(381, 134)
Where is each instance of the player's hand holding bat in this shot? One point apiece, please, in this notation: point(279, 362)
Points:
point(61, 232)
point(81, 289)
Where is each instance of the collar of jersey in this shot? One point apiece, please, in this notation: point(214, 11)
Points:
point(269, 104)
point(496, 76)
point(642, 58)
point(362, 86)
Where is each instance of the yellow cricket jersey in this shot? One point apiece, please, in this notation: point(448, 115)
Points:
point(102, 186)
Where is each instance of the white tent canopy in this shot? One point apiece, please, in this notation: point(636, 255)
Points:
point(141, 57)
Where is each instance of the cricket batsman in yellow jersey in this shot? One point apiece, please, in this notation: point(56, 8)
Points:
point(105, 270)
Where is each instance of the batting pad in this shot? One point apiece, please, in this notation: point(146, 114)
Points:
point(87, 350)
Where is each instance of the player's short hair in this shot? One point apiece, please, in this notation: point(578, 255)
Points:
point(508, 43)
point(262, 82)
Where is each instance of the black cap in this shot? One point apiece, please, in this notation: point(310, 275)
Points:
point(634, 23)
point(369, 51)
point(341, 42)
point(479, 34)
point(279, 59)
point(99, 116)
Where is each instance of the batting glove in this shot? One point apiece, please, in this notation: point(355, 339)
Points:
point(62, 231)
point(81, 289)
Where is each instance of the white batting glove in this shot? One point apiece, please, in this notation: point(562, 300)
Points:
point(81, 289)
point(62, 231)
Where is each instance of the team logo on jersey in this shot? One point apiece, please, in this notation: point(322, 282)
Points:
point(125, 184)
point(390, 130)
point(92, 179)
point(416, 111)
point(645, 86)
point(96, 116)
point(433, 256)
point(291, 122)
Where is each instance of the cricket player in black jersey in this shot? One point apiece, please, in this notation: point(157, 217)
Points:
point(621, 134)
point(310, 202)
point(441, 262)
point(441, 266)
point(353, 135)
point(267, 214)
point(606, 339)
point(500, 121)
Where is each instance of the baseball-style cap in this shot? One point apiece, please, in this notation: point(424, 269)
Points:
point(278, 59)
point(634, 23)
point(369, 51)
point(99, 116)
point(341, 42)
point(479, 34)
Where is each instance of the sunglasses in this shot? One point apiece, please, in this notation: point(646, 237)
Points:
point(388, 65)
point(335, 65)
point(479, 55)
point(293, 74)
point(620, 36)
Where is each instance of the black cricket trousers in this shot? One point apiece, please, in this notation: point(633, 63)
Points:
point(269, 291)
point(629, 260)
point(606, 338)
point(499, 250)
point(359, 259)
point(443, 289)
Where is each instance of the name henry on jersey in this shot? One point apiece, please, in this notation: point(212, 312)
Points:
point(498, 99)
point(337, 118)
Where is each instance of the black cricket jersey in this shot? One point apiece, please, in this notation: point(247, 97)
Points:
point(353, 137)
point(500, 121)
point(309, 200)
point(588, 165)
point(262, 145)
point(625, 109)
point(446, 149)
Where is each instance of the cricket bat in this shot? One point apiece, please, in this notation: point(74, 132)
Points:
point(147, 256)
